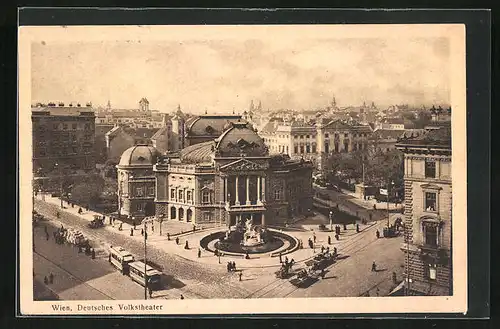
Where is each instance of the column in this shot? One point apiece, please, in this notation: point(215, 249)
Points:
point(237, 201)
point(263, 179)
point(258, 190)
point(248, 191)
point(224, 197)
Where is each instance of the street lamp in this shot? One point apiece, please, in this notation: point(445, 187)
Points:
point(60, 183)
point(389, 183)
point(145, 221)
point(331, 220)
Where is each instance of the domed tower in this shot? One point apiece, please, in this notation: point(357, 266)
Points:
point(178, 130)
point(136, 182)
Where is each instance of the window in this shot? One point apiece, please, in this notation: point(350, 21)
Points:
point(308, 149)
point(301, 136)
point(151, 190)
point(430, 234)
point(307, 136)
point(172, 194)
point(302, 149)
point(430, 168)
point(277, 194)
point(188, 195)
point(314, 148)
point(346, 135)
point(431, 271)
point(139, 191)
point(295, 136)
point(326, 135)
point(181, 195)
point(140, 207)
point(295, 149)
point(430, 201)
point(207, 217)
point(205, 196)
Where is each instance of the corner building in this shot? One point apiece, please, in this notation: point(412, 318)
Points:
point(428, 213)
point(232, 177)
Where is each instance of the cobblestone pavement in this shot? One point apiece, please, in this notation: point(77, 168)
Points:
point(205, 278)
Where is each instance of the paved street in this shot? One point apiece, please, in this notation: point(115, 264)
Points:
point(204, 277)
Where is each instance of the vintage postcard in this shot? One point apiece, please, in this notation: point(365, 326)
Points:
point(242, 169)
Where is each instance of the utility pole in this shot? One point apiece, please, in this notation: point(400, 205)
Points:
point(145, 221)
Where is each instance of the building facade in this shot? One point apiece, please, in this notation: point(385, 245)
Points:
point(232, 177)
point(314, 142)
point(428, 213)
point(63, 135)
point(136, 182)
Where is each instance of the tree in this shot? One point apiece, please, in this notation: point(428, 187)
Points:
point(88, 192)
point(424, 117)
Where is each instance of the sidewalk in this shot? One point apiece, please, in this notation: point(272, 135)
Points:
point(368, 204)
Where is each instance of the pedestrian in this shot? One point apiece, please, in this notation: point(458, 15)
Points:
point(152, 227)
point(329, 240)
point(314, 237)
point(72, 205)
point(51, 278)
point(150, 292)
point(286, 260)
point(374, 207)
point(228, 266)
point(345, 227)
point(377, 233)
point(378, 291)
point(199, 253)
point(142, 231)
point(177, 240)
point(233, 265)
point(247, 256)
point(240, 275)
point(182, 297)
point(337, 237)
point(281, 260)
point(194, 227)
point(394, 278)
point(79, 211)
point(322, 249)
point(323, 273)
point(168, 236)
point(45, 280)
point(310, 243)
point(93, 253)
point(357, 228)
point(131, 232)
point(109, 258)
point(186, 246)
point(374, 267)
point(134, 224)
point(120, 227)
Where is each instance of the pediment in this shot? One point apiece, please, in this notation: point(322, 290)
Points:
point(242, 165)
point(336, 124)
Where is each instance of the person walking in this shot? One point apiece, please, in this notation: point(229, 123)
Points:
point(240, 274)
point(357, 228)
point(335, 251)
point(377, 233)
point(168, 236)
point(323, 273)
point(228, 266)
point(177, 240)
point(93, 253)
point(199, 253)
point(45, 280)
point(186, 246)
point(182, 297)
point(345, 227)
point(131, 232)
point(142, 231)
point(51, 278)
point(134, 224)
point(329, 240)
point(314, 237)
point(337, 237)
point(150, 292)
point(374, 267)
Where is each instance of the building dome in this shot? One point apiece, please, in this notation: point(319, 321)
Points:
point(139, 155)
point(241, 139)
point(198, 153)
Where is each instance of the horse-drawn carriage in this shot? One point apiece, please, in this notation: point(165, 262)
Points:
point(70, 236)
point(97, 222)
point(302, 277)
point(320, 261)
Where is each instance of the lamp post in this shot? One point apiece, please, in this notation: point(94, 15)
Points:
point(145, 221)
point(331, 220)
point(60, 183)
point(389, 183)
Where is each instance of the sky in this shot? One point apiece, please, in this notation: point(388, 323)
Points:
point(220, 75)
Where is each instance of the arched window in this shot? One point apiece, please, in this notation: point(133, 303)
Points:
point(181, 213)
point(189, 215)
point(173, 213)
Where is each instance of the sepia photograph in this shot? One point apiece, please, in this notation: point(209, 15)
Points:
point(242, 169)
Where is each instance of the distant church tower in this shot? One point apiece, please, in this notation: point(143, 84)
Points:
point(259, 107)
point(108, 106)
point(178, 130)
point(251, 106)
point(144, 104)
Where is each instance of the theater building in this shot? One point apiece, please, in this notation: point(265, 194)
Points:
point(136, 181)
point(428, 213)
point(231, 177)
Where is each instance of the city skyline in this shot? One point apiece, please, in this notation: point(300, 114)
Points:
point(292, 73)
